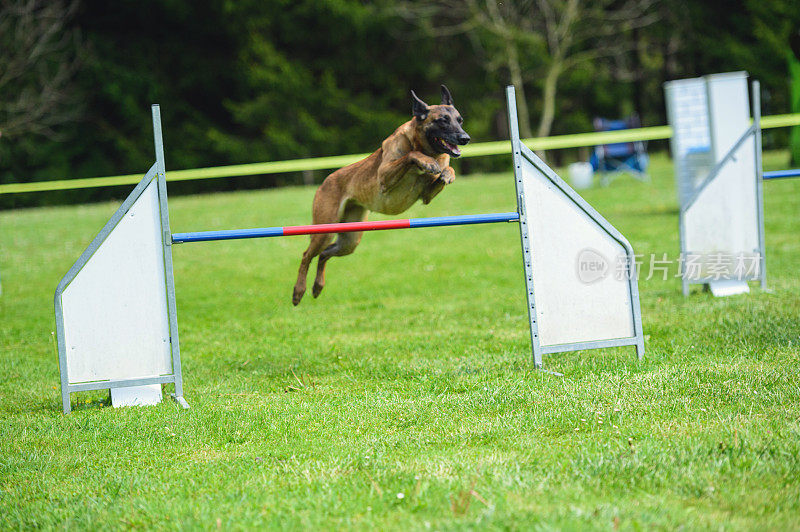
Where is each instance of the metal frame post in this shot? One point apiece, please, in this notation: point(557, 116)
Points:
point(527, 261)
point(756, 90)
point(166, 241)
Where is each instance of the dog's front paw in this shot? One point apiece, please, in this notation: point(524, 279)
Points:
point(448, 175)
point(431, 168)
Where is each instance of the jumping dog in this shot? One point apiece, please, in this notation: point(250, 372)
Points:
point(412, 163)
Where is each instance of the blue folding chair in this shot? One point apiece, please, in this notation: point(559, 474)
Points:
point(613, 160)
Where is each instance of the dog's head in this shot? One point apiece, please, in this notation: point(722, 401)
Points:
point(440, 125)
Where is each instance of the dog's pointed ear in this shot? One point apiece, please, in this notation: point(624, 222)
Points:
point(418, 107)
point(447, 99)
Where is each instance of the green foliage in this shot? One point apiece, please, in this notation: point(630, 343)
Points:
point(410, 374)
point(317, 79)
point(794, 80)
point(250, 81)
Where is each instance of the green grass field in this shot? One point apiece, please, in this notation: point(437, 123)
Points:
point(405, 396)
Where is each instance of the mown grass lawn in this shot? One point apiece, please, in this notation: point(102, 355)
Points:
point(405, 397)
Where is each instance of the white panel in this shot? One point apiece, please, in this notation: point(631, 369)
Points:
point(689, 114)
point(115, 310)
point(722, 224)
point(728, 109)
point(687, 107)
point(149, 394)
point(573, 306)
point(721, 227)
point(728, 288)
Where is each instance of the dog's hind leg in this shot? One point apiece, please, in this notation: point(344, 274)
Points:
point(327, 202)
point(318, 243)
point(345, 244)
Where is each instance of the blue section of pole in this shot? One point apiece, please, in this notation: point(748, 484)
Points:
point(469, 219)
point(206, 236)
point(778, 174)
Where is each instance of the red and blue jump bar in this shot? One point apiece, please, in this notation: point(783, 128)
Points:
point(345, 227)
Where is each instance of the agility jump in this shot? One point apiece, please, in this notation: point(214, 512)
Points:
point(116, 317)
point(717, 154)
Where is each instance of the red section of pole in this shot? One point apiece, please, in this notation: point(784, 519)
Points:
point(345, 227)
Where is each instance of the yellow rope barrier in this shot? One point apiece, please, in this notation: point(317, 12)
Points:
point(480, 149)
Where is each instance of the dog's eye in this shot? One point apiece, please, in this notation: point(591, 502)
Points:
point(443, 120)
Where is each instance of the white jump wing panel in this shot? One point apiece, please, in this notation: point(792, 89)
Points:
point(580, 281)
point(116, 320)
point(687, 110)
point(580, 272)
point(116, 324)
point(721, 218)
point(721, 225)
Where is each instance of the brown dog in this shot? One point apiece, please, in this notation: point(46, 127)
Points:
point(412, 164)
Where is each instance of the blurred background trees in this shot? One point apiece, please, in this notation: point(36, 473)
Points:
point(38, 60)
point(250, 80)
point(535, 42)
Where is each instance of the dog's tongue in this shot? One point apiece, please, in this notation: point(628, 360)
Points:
point(453, 148)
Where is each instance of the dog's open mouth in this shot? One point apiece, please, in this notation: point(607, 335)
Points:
point(450, 148)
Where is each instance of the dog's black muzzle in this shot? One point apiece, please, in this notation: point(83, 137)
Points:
point(448, 142)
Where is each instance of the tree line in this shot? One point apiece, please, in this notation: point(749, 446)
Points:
point(246, 81)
